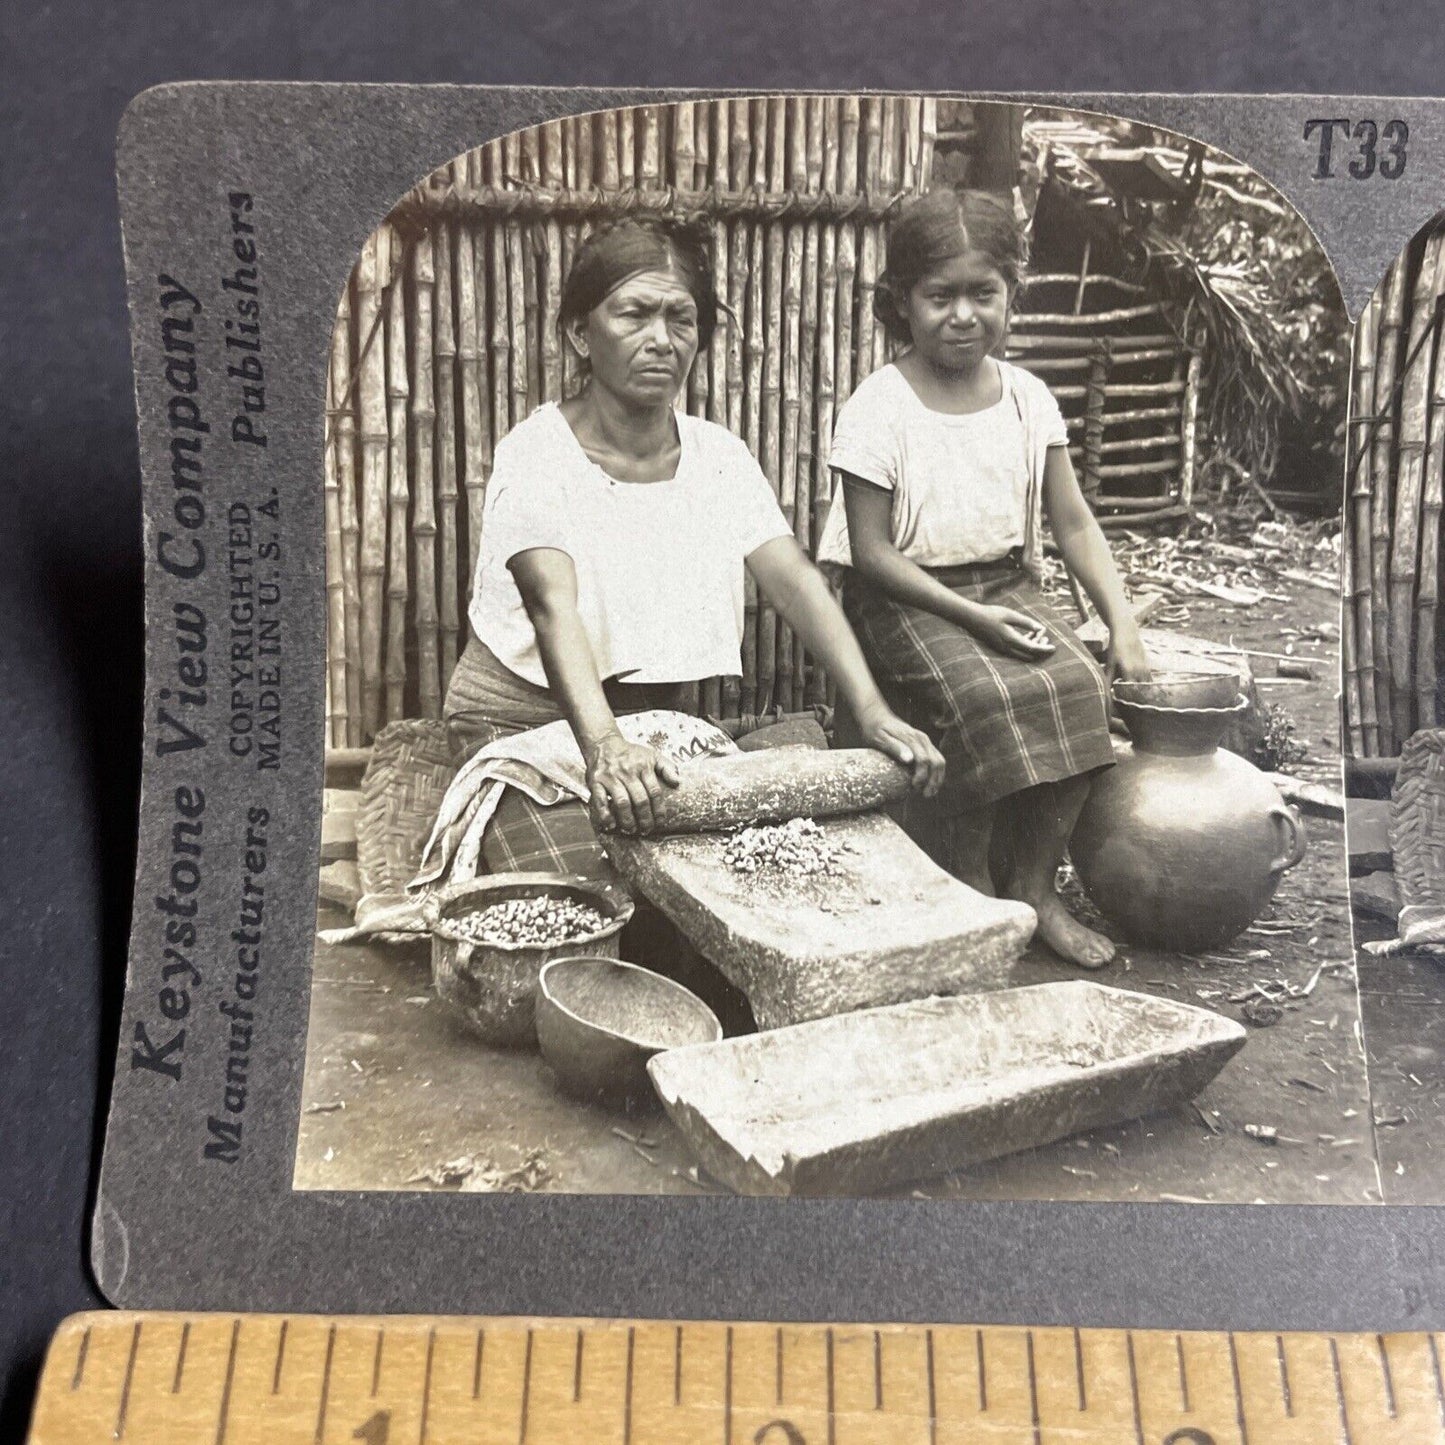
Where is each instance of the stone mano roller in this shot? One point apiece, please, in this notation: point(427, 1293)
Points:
point(776, 784)
point(884, 925)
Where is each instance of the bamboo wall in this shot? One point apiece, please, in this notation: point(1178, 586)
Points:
point(447, 337)
point(1392, 524)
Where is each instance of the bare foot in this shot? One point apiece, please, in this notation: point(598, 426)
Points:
point(1069, 938)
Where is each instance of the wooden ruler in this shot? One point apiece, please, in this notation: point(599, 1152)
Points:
point(415, 1380)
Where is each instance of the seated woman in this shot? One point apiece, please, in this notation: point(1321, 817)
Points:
point(610, 571)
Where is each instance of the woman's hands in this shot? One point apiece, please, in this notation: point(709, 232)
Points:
point(1009, 631)
point(885, 730)
point(803, 599)
point(623, 781)
point(1127, 658)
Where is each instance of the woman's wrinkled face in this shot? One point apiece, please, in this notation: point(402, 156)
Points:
point(958, 312)
point(641, 338)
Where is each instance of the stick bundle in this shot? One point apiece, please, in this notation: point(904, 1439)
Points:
point(1127, 385)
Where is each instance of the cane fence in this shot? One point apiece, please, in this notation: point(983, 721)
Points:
point(446, 337)
point(1391, 549)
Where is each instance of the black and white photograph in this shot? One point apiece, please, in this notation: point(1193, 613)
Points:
point(834, 663)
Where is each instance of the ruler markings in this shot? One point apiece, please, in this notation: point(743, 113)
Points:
point(1033, 1389)
point(1274, 1378)
point(932, 1392)
point(1390, 1404)
point(223, 1418)
point(431, 1345)
point(280, 1359)
point(180, 1358)
point(376, 1361)
point(728, 1389)
point(627, 1401)
point(1286, 1394)
point(1134, 1388)
point(1238, 1391)
point(832, 1392)
point(1439, 1381)
point(84, 1350)
point(119, 1432)
point(526, 1390)
point(1389, 1387)
point(325, 1384)
point(1340, 1390)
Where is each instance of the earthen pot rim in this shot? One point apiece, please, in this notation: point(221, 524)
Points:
point(454, 935)
point(1237, 706)
point(1177, 731)
point(441, 920)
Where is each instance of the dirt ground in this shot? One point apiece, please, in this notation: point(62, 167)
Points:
point(1403, 1003)
point(398, 1096)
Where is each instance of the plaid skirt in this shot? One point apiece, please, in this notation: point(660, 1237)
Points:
point(485, 701)
point(1002, 724)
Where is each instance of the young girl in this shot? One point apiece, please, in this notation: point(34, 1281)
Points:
point(950, 459)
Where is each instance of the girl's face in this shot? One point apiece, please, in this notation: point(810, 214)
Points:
point(641, 338)
point(958, 312)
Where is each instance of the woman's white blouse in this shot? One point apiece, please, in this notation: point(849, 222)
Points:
point(659, 564)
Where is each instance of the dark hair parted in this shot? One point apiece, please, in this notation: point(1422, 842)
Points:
point(933, 229)
point(621, 249)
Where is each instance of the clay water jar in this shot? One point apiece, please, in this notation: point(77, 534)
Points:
point(1182, 844)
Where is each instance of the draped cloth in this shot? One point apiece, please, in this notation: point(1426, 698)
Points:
point(545, 766)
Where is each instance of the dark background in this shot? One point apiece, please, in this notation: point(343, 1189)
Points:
point(70, 545)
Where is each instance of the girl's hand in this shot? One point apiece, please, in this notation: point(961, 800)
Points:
point(1013, 633)
point(885, 730)
point(1127, 658)
point(623, 781)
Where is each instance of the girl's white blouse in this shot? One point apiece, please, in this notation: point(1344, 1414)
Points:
point(964, 488)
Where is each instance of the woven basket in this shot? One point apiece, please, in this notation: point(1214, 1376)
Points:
point(1417, 820)
point(404, 784)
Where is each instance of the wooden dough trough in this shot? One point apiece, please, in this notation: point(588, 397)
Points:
point(874, 1100)
point(889, 926)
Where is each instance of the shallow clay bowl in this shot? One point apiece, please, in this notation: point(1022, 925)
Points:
point(600, 1020)
point(1180, 688)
